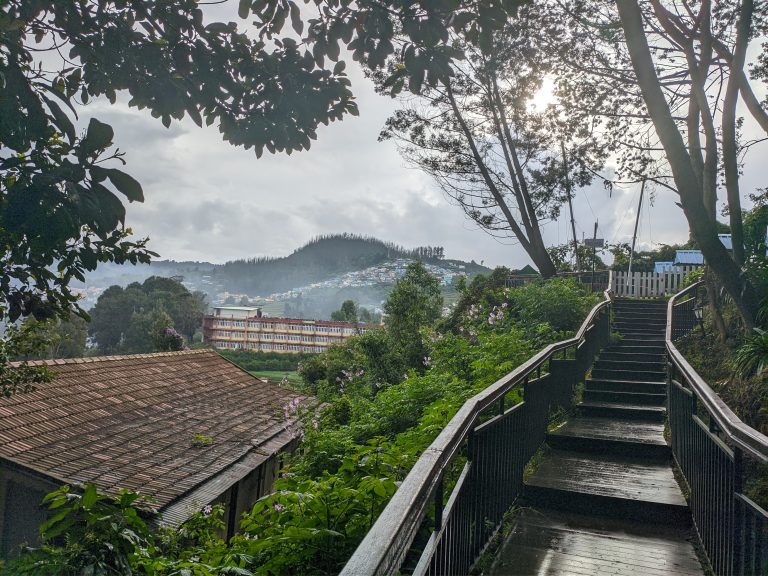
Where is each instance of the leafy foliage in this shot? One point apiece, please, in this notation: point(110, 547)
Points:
point(62, 338)
point(100, 534)
point(415, 301)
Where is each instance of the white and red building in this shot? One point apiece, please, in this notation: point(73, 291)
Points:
point(244, 327)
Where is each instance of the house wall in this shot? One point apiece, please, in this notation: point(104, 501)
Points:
point(20, 511)
point(241, 497)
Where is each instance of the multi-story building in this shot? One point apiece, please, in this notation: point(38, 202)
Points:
point(234, 327)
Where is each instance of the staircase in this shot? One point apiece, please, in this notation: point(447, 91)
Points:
point(603, 498)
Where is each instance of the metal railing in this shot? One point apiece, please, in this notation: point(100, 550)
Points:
point(419, 531)
point(715, 451)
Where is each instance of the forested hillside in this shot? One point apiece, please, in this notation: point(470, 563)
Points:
point(322, 258)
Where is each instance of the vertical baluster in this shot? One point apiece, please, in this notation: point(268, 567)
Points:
point(737, 561)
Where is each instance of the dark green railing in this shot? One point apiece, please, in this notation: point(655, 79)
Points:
point(716, 453)
point(419, 531)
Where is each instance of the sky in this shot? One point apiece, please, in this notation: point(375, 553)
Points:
point(209, 201)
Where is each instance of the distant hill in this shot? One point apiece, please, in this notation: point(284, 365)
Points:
point(320, 259)
point(323, 258)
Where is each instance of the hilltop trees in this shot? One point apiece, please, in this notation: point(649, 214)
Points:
point(709, 42)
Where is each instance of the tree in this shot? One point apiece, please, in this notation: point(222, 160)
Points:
point(123, 320)
point(61, 197)
point(347, 312)
point(63, 338)
point(506, 165)
point(415, 302)
point(661, 80)
point(695, 182)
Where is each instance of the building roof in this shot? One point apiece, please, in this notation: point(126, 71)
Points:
point(689, 257)
point(130, 422)
point(526, 270)
point(726, 240)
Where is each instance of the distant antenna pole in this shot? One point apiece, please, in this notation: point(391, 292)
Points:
point(634, 235)
point(594, 255)
point(570, 206)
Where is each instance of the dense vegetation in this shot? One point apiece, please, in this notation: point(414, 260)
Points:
point(382, 406)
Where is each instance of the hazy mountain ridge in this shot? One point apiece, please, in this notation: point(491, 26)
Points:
point(320, 260)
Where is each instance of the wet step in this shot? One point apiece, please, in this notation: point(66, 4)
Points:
point(644, 336)
point(630, 314)
point(644, 356)
point(626, 386)
point(622, 410)
point(639, 488)
point(611, 436)
point(637, 347)
point(616, 429)
point(549, 543)
point(629, 374)
point(630, 364)
point(623, 328)
point(639, 398)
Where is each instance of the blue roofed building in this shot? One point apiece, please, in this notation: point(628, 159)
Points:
point(689, 257)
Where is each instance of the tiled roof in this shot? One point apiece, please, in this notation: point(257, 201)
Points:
point(129, 422)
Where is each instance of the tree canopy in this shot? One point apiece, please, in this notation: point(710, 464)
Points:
point(153, 316)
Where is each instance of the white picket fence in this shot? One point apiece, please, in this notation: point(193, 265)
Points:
point(648, 284)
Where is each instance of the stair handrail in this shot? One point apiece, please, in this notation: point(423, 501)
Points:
point(737, 432)
point(385, 545)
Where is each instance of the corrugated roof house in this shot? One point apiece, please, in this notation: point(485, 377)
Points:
point(131, 422)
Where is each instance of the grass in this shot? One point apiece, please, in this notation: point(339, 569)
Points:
point(277, 376)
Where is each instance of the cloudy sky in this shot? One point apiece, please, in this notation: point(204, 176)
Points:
point(207, 200)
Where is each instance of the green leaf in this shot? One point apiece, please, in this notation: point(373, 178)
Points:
point(244, 8)
point(98, 137)
point(296, 21)
point(110, 210)
point(89, 496)
point(126, 184)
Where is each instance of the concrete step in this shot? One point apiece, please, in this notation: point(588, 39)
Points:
point(630, 364)
point(643, 356)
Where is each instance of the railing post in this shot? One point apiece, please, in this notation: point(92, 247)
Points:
point(737, 558)
point(439, 505)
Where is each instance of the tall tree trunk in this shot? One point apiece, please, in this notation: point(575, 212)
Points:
point(704, 230)
point(730, 151)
